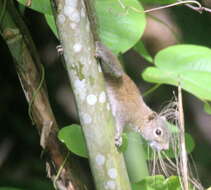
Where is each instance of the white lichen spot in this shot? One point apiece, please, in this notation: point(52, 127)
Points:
point(61, 18)
point(82, 13)
point(80, 88)
point(110, 185)
point(68, 10)
point(75, 17)
point(71, 3)
point(108, 106)
point(99, 69)
point(91, 99)
point(102, 97)
point(72, 14)
point(100, 159)
point(86, 118)
point(112, 173)
point(77, 47)
point(73, 26)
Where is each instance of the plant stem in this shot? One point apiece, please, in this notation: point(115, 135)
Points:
point(183, 152)
point(135, 158)
point(152, 89)
point(107, 164)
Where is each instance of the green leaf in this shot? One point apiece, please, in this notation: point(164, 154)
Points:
point(140, 48)
point(189, 65)
point(207, 108)
point(42, 6)
point(158, 182)
point(9, 188)
point(173, 183)
point(150, 183)
point(158, 1)
point(51, 22)
point(120, 28)
point(73, 138)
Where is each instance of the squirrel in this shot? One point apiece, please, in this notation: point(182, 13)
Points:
point(127, 104)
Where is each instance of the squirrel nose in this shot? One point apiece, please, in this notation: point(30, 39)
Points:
point(165, 146)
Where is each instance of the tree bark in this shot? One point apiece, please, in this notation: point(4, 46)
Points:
point(31, 75)
point(107, 163)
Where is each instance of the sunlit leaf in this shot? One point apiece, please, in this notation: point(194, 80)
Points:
point(158, 1)
point(120, 26)
point(42, 6)
point(51, 22)
point(140, 48)
point(150, 183)
point(159, 182)
point(187, 65)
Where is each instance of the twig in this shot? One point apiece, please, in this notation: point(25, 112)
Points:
point(60, 170)
point(199, 8)
point(152, 89)
point(183, 152)
point(175, 4)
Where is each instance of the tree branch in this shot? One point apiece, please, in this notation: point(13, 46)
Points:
point(87, 81)
point(30, 73)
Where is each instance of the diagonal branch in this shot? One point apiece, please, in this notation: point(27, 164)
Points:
point(87, 81)
point(30, 73)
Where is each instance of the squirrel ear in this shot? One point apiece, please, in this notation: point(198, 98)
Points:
point(152, 116)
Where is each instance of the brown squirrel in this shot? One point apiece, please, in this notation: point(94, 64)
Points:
point(127, 103)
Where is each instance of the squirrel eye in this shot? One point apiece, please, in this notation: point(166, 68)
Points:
point(158, 132)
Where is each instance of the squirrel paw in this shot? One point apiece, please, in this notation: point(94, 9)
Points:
point(60, 49)
point(118, 140)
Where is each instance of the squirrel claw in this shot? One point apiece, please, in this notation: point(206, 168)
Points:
point(60, 49)
point(118, 141)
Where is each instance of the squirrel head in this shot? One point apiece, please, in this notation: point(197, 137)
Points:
point(156, 132)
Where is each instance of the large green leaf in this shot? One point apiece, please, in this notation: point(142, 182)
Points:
point(150, 183)
point(158, 182)
point(42, 6)
point(120, 28)
point(158, 1)
point(51, 22)
point(187, 65)
point(73, 138)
